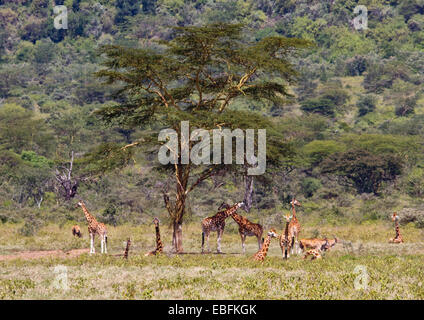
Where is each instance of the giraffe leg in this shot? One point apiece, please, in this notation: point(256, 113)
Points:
point(207, 242)
point(219, 241)
point(92, 250)
point(101, 244)
point(105, 243)
point(259, 242)
point(243, 239)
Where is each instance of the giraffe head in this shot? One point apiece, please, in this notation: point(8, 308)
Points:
point(273, 233)
point(240, 204)
point(79, 204)
point(156, 221)
point(326, 245)
point(395, 217)
point(294, 202)
point(224, 206)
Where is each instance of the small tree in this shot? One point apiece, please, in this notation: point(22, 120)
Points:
point(362, 169)
point(195, 77)
point(366, 104)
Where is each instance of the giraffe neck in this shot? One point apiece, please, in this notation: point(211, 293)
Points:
point(265, 246)
point(397, 228)
point(127, 249)
point(158, 242)
point(231, 210)
point(237, 218)
point(88, 216)
point(294, 211)
point(286, 230)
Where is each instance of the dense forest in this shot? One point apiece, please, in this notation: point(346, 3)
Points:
point(353, 121)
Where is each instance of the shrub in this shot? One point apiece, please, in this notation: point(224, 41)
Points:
point(323, 106)
point(310, 186)
point(366, 104)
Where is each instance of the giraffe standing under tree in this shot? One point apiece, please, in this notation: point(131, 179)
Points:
point(217, 223)
point(246, 228)
point(94, 228)
point(294, 228)
point(286, 238)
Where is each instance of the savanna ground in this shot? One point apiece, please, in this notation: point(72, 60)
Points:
point(394, 271)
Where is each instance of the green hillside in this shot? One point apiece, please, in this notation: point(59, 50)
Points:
point(355, 121)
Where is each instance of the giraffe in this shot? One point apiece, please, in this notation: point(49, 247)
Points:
point(261, 254)
point(94, 228)
point(316, 252)
point(286, 238)
point(76, 231)
point(294, 227)
point(159, 245)
point(217, 223)
point(398, 238)
point(246, 228)
point(316, 243)
point(127, 248)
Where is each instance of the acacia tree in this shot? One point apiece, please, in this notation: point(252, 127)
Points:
point(195, 77)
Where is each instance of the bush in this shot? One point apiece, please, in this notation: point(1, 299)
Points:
point(362, 169)
point(406, 107)
point(366, 104)
point(310, 186)
point(415, 215)
point(415, 183)
point(31, 226)
point(323, 106)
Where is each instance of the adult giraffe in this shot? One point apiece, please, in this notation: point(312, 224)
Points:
point(294, 227)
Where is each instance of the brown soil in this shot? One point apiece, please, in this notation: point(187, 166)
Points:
point(27, 255)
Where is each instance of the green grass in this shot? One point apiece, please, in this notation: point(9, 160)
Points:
point(395, 271)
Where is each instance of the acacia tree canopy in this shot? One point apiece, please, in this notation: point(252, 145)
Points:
point(195, 77)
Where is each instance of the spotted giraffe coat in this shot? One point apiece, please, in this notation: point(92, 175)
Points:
point(217, 223)
point(261, 254)
point(159, 245)
point(398, 237)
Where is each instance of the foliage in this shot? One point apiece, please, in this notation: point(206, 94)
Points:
point(365, 170)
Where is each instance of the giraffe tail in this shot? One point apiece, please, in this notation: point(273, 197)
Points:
point(203, 239)
point(106, 239)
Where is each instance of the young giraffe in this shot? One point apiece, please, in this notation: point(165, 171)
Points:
point(159, 245)
point(76, 231)
point(217, 223)
point(261, 254)
point(286, 238)
point(398, 238)
point(315, 253)
point(94, 228)
point(127, 248)
point(294, 227)
point(246, 228)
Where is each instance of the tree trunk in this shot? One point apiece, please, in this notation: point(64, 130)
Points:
point(177, 210)
point(248, 192)
point(177, 237)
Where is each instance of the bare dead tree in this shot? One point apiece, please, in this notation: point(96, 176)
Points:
point(64, 178)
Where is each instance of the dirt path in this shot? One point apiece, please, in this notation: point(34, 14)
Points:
point(28, 255)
